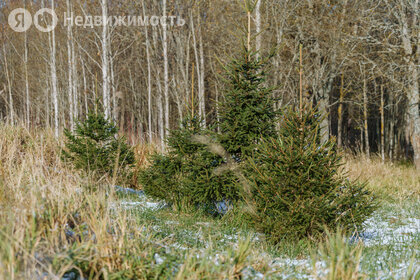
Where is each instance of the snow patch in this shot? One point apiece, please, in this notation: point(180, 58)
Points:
point(158, 259)
point(391, 230)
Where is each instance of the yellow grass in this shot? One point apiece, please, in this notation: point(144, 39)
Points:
point(389, 180)
point(40, 199)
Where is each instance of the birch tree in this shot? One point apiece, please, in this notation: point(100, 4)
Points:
point(25, 62)
point(54, 86)
point(258, 26)
point(165, 70)
point(105, 61)
point(149, 80)
point(9, 86)
point(70, 88)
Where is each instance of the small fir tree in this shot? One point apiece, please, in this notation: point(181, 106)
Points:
point(95, 147)
point(184, 176)
point(247, 112)
point(297, 188)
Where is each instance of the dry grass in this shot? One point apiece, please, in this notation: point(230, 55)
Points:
point(50, 222)
point(342, 261)
point(388, 180)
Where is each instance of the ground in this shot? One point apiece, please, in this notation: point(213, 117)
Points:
point(390, 242)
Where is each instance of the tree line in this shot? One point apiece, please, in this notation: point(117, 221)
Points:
point(355, 60)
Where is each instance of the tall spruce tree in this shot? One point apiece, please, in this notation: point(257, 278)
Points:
point(247, 112)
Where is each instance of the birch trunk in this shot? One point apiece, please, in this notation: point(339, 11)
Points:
point(70, 70)
point(105, 62)
point(75, 80)
point(201, 93)
point(165, 70)
point(391, 128)
point(258, 27)
point(113, 88)
point(85, 92)
point(161, 122)
point(149, 81)
point(54, 79)
point(9, 86)
point(382, 125)
point(200, 111)
point(28, 101)
point(365, 117)
point(159, 101)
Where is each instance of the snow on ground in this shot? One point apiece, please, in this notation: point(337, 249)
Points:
point(127, 205)
point(390, 230)
point(142, 202)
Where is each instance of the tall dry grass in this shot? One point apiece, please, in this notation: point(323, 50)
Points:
point(51, 222)
point(389, 180)
point(341, 259)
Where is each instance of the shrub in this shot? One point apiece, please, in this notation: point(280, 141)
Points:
point(296, 185)
point(95, 147)
point(185, 174)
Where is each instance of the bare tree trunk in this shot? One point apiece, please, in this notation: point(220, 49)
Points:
point(70, 70)
point(161, 122)
point(248, 45)
point(340, 114)
point(201, 94)
point(324, 103)
point(159, 101)
point(258, 26)
point(365, 117)
point(85, 92)
point(382, 124)
point(75, 80)
point(105, 61)
point(324, 127)
point(28, 101)
point(414, 117)
point(411, 53)
point(200, 112)
point(113, 88)
point(47, 100)
point(54, 79)
point(9, 86)
point(217, 108)
point(165, 71)
point(149, 80)
point(391, 128)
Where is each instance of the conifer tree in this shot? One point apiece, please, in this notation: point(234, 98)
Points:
point(95, 147)
point(184, 176)
point(298, 188)
point(247, 113)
